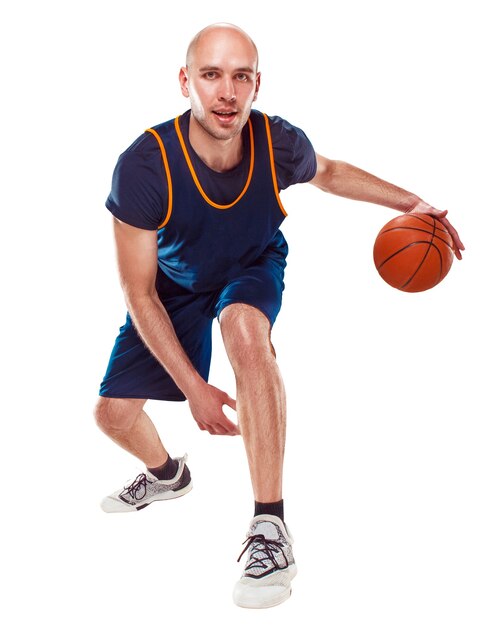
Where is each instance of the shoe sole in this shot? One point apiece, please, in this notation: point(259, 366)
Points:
point(275, 601)
point(283, 597)
point(168, 495)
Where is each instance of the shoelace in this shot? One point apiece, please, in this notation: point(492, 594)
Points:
point(133, 489)
point(267, 547)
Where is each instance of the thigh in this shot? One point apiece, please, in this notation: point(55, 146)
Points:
point(133, 372)
point(260, 286)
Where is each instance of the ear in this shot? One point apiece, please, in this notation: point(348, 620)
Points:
point(183, 81)
point(257, 86)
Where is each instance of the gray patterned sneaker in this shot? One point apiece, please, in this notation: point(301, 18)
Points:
point(146, 488)
point(267, 577)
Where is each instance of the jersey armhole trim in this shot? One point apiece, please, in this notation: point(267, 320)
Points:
point(273, 168)
point(167, 172)
point(195, 178)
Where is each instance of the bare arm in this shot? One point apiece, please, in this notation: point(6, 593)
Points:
point(137, 255)
point(348, 181)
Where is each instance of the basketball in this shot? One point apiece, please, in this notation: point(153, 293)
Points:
point(413, 252)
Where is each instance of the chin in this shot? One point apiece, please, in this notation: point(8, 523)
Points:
point(226, 134)
point(223, 133)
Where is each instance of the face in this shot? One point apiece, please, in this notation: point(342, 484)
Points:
point(221, 81)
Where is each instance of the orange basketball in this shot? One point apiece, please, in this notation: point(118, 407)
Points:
point(413, 252)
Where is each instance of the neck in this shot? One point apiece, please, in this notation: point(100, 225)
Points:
point(219, 155)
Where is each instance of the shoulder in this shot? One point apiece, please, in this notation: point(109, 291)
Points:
point(146, 144)
point(139, 193)
point(284, 135)
point(282, 130)
point(144, 154)
point(294, 154)
point(141, 147)
point(276, 123)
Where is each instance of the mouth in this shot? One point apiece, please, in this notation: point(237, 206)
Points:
point(225, 116)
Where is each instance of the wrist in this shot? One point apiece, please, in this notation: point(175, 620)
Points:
point(411, 203)
point(194, 387)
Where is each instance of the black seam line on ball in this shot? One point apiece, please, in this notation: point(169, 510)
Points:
point(441, 228)
point(414, 243)
point(420, 230)
point(423, 259)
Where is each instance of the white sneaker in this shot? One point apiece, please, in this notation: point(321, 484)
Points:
point(146, 488)
point(270, 568)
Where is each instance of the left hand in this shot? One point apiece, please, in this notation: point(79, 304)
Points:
point(206, 408)
point(423, 207)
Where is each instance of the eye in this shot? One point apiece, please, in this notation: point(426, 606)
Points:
point(241, 77)
point(210, 75)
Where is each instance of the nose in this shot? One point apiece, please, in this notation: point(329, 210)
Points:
point(226, 92)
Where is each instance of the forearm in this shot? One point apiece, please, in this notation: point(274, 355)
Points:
point(153, 324)
point(348, 181)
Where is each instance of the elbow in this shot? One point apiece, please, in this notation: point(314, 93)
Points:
point(136, 299)
point(337, 172)
point(327, 179)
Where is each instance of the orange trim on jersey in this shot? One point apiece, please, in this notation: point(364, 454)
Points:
point(195, 178)
point(167, 172)
point(273, 168)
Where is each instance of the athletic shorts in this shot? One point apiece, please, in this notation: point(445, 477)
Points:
point(133, 372)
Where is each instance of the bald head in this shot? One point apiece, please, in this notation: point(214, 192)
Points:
point(217, 31)
point(221, 81)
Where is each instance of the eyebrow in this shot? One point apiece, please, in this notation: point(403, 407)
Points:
point(211, 68)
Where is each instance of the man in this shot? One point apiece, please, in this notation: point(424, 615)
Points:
point(196, 220)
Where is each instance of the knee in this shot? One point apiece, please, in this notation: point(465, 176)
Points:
point(247, 337)
point(111, 415)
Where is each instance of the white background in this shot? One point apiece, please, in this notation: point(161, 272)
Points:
point(392, 465)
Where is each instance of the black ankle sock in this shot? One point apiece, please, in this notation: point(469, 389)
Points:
point(166, 471)
point(270, 508)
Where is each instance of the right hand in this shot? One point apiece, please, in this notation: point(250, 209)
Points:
point(423, 207)
point(206, 408)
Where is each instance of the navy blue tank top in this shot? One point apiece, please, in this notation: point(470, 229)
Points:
point(201, 244)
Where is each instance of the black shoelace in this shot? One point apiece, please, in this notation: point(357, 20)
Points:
point(263, 550)
point(134, 490)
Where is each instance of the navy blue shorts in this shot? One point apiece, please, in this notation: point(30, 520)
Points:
point(133, 372)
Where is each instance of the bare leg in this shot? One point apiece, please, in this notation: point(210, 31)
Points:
point(125, 422)
point(261, 403)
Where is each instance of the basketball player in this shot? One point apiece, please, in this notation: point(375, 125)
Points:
point(196, 212)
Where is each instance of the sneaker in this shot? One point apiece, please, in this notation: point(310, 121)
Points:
point(146, 488)
point(270, 568)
